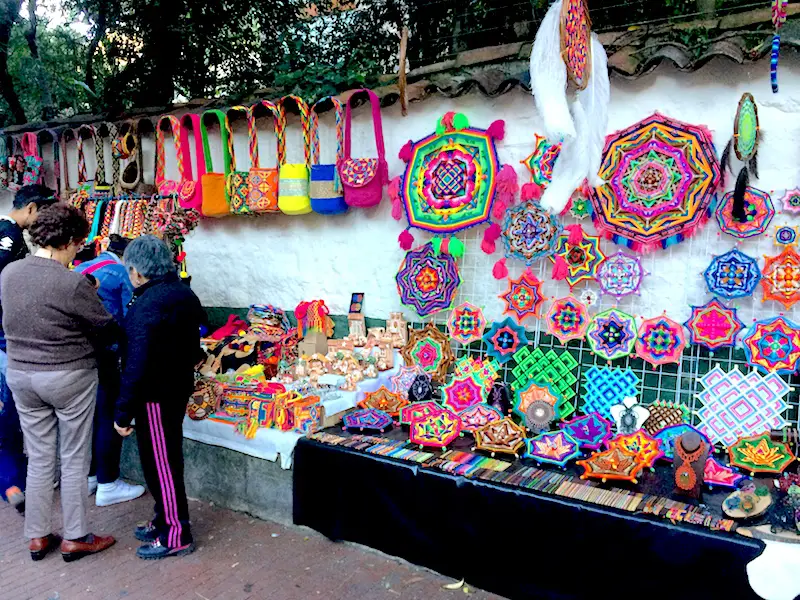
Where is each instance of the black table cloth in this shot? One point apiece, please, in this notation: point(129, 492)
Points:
point(511, 541)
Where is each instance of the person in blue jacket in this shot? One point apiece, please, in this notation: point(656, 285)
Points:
point(115, 290)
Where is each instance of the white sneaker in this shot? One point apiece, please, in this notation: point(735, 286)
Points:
point(117, 492)
point(92, 484)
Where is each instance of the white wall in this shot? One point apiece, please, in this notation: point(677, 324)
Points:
point(282, 260)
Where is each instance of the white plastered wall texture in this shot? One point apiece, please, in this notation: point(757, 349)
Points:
point(282, 260)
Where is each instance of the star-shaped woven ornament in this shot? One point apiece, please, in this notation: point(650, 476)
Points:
point(582, 259)
point(383, 399)
point(713, 325)
point(466, 323)
point(503, 436)
point(503, 339)
point(781, 277)
point(523, 298)
point(430, 349)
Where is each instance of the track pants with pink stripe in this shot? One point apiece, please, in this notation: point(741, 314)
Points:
point(159, 432)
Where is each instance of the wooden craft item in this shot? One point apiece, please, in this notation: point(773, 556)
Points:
point(688, 465)
point(747, 503)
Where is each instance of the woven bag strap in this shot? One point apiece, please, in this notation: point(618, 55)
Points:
point(305, 120)
point(339, 112)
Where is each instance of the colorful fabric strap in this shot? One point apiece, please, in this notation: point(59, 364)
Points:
point(305, 120)
point(339, 112)
point(222, 119)
point(175, 126)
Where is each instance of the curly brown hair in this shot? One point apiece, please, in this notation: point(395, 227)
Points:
point(58, 225)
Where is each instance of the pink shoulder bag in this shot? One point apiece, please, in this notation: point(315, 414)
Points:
point(184, 188)
point(363, 179)
point(196, 200)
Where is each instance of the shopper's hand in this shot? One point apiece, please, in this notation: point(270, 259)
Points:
point(123, 431)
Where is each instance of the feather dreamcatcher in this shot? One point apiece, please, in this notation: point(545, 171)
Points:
point(744, 144)
point(569, 81)
point(779, 9)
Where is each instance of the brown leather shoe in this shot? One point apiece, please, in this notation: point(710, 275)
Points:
point(72, 550)
point(41, 547)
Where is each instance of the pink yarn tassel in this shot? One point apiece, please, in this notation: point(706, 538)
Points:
point(575, 234)
point(497, 130)
point(406, 239)
point(499, 208)
point(490, 237)
point(560, 269)
point(500, 271)
point(567, 208)
point(531, 191)
point(394, 196)
point(405, 152)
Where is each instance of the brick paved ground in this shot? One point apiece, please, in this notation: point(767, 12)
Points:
point(238, 558)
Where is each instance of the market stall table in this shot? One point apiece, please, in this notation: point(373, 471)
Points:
point(269, 444)
point(509, 540)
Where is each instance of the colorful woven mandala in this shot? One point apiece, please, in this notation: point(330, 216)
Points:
point(367, 419)
point(791, 201)
point(401, 382)
point(785, 235)
point(758, 208)
point(437, 430)
point(613, 464)
point(668, 435)
point(716, 474)
point(662, 176)
point(523, 298)
point(582, 259)
point(642, 444)
point(466, 323)
point(773, 345)
point(529, 232)
point(451, 177)
point(484, 371)
point(463, 392)
point(428, 282)
point(781, 277)
point(576, 41)
point(591, 431)
point(384, 400)
point(541, 161)
point(732, 275)
point(536, 392)
point(620, 275)
point(612, 334)
point(503, 339)
point(606, 387)
point(430, 349)
point(760, 454)
point(556, 369)
point(660, 341)
point(554, 448)
point(567, 319)
point(665, 414)
point(503, 436)
point(478, 415)
point(418, 410)
point(736, 405)
point(713, 325)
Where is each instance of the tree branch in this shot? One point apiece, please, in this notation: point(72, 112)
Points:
point(9, 12)
point(99, 33)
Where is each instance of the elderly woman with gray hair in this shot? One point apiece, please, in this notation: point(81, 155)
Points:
point(162, 347)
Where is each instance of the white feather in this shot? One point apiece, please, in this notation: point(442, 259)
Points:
point(595, 99)
point(549, 77)
point(572, 165)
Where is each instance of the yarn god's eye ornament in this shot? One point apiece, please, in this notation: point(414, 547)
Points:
point(713, 325)
point(466, 323)
point(427, 280)
point(661, 340)
point(503, 339)
point(555, 448)
point(577, 256)
point(773, 345)
point(732, 275)
point(384, 400)
point(430, 349)
point(523, 298)
point(478, 415)
point(367, 419)
point(437, 430)
point(781, 277)
point(760, 454)
point(612, 334)
point(567, 319)
point(418, 410)
point(591, 431)
point(453, 181)
point(503, 436)
point(613, 464)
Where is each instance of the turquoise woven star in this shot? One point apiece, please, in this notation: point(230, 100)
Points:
point(503, 339)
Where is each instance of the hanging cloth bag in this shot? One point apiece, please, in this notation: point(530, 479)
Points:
point(196, 200)
point(100, 182)
point(54, 134)
point(183, 188)
point(85, 187)
point(364, 178)
point(262, 182)
point(4, 158)
point(238, 187)
point(131, 145)
point(215, 198)
point(33, 159)
point(293, 193)
point(327, 194)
